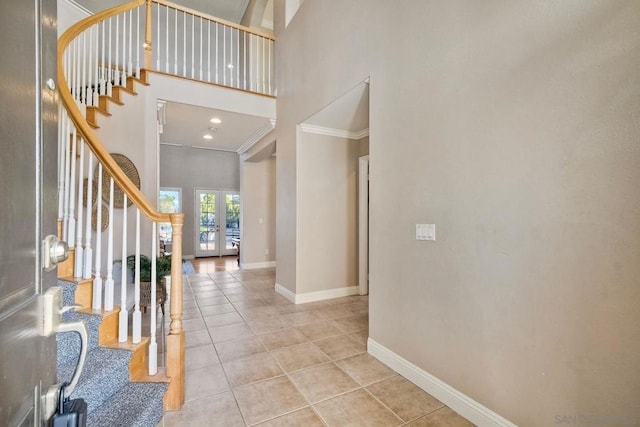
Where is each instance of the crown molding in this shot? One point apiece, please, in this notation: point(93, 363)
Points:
point(340, 133)
point(257, 136)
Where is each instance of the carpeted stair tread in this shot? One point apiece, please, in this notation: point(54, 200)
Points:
point(135, 405)
point(105, 371)
point(69, 342)
point(68, 292)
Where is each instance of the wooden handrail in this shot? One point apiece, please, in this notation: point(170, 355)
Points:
point(83, 127)
point(213, 18)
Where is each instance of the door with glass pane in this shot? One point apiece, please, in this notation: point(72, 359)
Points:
point(217, 222)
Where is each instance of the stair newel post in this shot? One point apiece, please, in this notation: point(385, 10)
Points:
point(88, 252)
point(123, 321)
point(108, 284)
point(175, 340)
point(153, 345)
point(79, 255)
point(137, 315)
point(97, 280)
point(147, 38)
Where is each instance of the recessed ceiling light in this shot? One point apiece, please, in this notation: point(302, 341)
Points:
point(216, 120)
point(207, 136)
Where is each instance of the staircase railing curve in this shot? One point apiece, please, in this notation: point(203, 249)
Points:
point(97, 58)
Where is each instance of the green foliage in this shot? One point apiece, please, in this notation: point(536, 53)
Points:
point(163, 267)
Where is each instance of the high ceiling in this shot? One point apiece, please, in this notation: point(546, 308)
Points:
point(186, 125)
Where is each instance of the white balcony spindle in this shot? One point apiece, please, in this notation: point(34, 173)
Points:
point(224, 54)
point(153, 346)
point(237, 58)
point(230, 62)
point(108, 283)
point(88, 252)
point(97, 280)
point(79, 255)
point(208, 50)
point(217, 53)
point(175, 42)
point(201, 47)
point(166, 42)
point(184, 44)
point(244, 74)
point(157, 47)
point(193, 46)
point(269, 67)
point(123, 321)
point(137, 315)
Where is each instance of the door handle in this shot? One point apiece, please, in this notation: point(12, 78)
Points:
point(54, 251)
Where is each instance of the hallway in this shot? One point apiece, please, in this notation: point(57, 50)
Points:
point(254, 358)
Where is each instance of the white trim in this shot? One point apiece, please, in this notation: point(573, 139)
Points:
point(79, 8)
point(459, 402)
point(317, 295)
point(321, 130)
point(254, 265)
point(257, 136)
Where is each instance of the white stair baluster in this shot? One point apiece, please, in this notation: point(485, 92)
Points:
point(89, 89)
point(201, 48)
point(116, 67)
point(166, 38)
point(97, 280)
point(130, 64)
point(184, 44)
point(61, 153)
point(224, 55)
point(67, 173)
point(137, 315)
point(157, 47)
point(96, 68)
point(138, 42)
point(153, 346)
point(244, 74)
point(88, 252)
point(71, 235)
point(217, 53)
point(175, 43)
point(123, 72)
point(193, 46)
point(237, 58)
point(109, 64)
point(79, 255)
point(108, 283)
point(208, 50)
point(103, 77)
point(123, 321)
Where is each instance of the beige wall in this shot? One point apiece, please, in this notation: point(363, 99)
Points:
point(327, 220)
point(513, 126)
point(258, 192)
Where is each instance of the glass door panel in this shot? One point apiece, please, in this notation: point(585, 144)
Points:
point(232, 226)
point(207, 226)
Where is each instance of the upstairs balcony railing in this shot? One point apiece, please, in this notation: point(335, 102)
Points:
point(191, 44)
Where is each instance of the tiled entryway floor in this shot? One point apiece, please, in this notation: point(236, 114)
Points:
point(254, 358)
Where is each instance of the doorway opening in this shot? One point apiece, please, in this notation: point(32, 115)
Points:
point(217, 219)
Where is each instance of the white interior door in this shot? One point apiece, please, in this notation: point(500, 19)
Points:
point(217, 222)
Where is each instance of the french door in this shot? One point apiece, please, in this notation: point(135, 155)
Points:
point(217, 219)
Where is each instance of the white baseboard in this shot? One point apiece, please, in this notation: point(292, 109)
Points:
point(459, 402)
point(317, 295)
point(253, 265)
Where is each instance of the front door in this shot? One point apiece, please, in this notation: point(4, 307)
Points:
point(28, 176)
point(217, 222)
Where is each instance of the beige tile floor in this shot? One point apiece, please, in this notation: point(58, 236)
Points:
point(254, 358)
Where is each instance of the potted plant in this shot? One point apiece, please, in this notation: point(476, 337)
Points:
point(163, 268)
